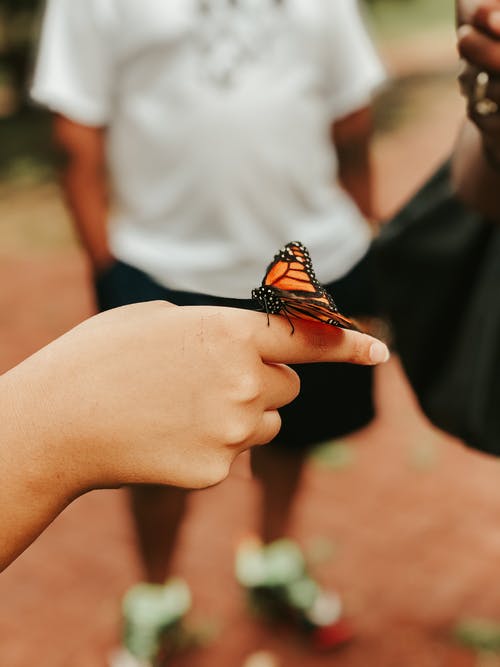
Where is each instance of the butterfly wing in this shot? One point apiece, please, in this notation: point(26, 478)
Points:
point(291, 270)
point(292, 279)
point(318, 309)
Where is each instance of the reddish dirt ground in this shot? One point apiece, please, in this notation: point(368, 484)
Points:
point(414, 519)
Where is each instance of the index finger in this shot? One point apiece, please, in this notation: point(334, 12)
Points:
point(314, 342)
point(479, 48)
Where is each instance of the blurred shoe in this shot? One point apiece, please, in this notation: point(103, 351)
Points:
point(153, 627)
point(123, 658)
point(262, 659)
point(280, 588)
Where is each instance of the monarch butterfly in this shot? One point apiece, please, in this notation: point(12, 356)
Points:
point(290, 287)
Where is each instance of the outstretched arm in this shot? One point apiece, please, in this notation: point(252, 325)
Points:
point(148, 393)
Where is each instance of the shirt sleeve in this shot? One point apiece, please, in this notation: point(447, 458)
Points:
point(355, 71)
point(74, 68)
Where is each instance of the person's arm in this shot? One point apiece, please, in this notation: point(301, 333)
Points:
point(150, 394)
point(352, 137)
point(476, 158)
point(354, 74)
point(85, 185)
point(475, 180)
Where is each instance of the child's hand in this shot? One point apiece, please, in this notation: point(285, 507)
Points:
point(479, 46)
point(152, 393)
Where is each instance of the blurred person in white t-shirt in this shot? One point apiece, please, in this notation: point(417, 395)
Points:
point(200, 137)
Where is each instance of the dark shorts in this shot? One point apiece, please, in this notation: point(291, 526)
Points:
point(335, 399)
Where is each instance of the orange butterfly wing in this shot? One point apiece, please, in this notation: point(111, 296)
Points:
point(295, 291)
point(293, 273)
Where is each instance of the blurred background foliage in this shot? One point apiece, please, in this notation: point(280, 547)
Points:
point(397, 18)
point(18, 24)
point(25, 146)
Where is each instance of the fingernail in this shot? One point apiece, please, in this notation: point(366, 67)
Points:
point(379, 353)
point(464, 30)
point(494, 21)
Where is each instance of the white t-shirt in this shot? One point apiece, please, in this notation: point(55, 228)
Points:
point(219, 116)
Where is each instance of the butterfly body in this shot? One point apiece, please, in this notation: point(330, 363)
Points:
point(290, 288)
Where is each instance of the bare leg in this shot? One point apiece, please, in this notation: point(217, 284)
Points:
point(279, 471)
point(158, 512)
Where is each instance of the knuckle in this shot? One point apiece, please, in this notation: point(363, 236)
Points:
point(215, 326)
point(250, 387)
point(321, 345)
point(275, 426)
point(268, 431)
point(294, 384)
point(237, 432)
point(160, 305)
point(230, 324)
point(291, 385)
point(216, 472)
point(359, 350)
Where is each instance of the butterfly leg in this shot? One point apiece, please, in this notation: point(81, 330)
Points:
point(267, 311)
point(283, 310)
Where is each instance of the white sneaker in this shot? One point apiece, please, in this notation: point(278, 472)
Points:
point(122, 658)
